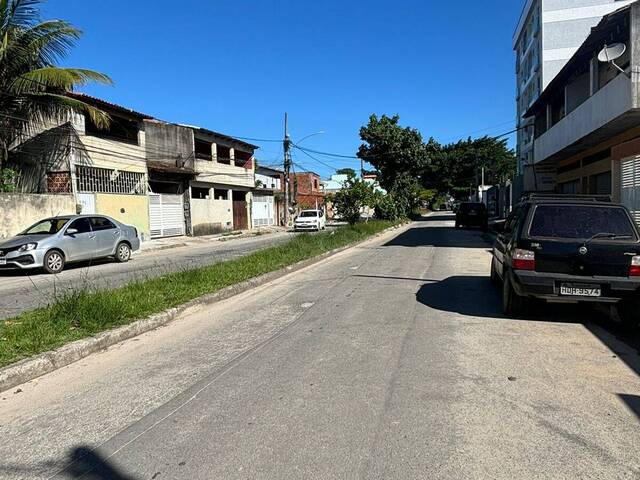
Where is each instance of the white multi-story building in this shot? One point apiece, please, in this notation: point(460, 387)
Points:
point(548, 34)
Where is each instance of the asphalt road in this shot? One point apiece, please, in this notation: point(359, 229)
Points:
point(390, 360)
point(26, 290)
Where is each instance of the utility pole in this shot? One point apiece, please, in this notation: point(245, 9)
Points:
point(361, 169)
point(287, 167)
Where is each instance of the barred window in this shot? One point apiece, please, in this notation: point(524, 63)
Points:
point(106, 180)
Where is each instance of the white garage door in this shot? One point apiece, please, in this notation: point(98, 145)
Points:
point(263, 211)
point(630, 185)
point(166, 215)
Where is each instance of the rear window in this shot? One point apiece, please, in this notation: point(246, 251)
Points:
point(579, 221)
point(309, 214)
point(466, 207)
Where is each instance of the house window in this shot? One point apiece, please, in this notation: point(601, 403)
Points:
point(221, 194)
point(119, 129)
point(203, 150)
point(243, 159)
point(224, 155)
point(199, 192)
point(105, 180)
point(315, 184)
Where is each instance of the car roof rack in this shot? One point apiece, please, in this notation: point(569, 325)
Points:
point(565, 196)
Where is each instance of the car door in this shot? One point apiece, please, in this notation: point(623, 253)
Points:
point(80, 245)
point(107, 235)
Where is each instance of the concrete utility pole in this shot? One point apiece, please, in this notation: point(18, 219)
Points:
point(287, 167)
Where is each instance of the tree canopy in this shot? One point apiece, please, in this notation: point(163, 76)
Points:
point(32, 86)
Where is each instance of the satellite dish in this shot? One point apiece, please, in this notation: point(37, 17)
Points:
point(612, 52)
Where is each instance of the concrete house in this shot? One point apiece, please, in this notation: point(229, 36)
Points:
point(308, 190)
point(74, 167)
point(268, 198)
point(221, 189)
point(587, 121)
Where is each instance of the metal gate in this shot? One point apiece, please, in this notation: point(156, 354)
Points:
point(263, 211)
point(166, 215)
point(630, 185)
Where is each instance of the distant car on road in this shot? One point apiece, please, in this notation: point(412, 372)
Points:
point(568, 249)
point(472, 214)
point(310, 220)
point(53, 242)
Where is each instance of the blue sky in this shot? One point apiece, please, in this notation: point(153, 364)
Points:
point(236, 66)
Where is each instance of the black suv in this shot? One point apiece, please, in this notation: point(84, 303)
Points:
point(472, 214)
point(568, 249)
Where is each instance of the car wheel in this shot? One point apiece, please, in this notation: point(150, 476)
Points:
point(53, 261)
point(495, 279)
point(123, 253)
point(513, 305)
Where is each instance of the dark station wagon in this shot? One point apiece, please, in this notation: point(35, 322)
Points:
point(568, 249)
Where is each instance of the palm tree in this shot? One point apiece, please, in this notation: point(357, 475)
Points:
point(32, 87)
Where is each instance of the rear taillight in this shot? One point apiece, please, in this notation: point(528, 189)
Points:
point(523, 259)
point(634, 268)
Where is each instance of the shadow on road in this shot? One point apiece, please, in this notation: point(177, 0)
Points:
point(442, 237)
point(67, 267)
point(473, 296)
point(632, 401)
point(86, 463)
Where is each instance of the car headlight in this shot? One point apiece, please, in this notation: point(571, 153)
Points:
point(27, 247)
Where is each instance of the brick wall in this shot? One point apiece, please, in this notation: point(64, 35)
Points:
point(58, 182)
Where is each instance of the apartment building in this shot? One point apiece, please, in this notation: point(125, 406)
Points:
point(587, 120)
point(547, 35)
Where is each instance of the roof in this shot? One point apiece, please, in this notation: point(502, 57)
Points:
point(585, 50)
point(273, 171)
point(108, 105)
point(564, 198)
point(222, 136)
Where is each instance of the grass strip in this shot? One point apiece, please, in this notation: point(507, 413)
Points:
point(84, 313)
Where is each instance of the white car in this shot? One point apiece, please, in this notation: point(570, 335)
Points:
point(310, 220)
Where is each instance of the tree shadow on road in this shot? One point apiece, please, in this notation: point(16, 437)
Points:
point(442, 237)
point(87, 463)
point(632, 402)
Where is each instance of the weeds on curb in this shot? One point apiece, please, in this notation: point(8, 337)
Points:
point(83, 313)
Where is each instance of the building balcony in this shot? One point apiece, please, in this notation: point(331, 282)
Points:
point(610, 111)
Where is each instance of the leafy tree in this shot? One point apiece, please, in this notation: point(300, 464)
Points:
point(346, 171)
point(392, 149)
point(32, 86)
point(352, 198)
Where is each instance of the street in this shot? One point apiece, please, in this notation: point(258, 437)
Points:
point(388, 360)
point(26, 290)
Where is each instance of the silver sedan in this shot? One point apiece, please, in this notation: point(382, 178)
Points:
point(54, 242)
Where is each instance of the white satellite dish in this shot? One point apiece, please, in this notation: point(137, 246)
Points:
point(612, 52)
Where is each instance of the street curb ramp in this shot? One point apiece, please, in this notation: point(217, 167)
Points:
point(41, 364)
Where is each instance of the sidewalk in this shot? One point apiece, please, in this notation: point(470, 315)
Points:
point(184, 241)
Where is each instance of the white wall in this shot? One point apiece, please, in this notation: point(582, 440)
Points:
point(211, 216)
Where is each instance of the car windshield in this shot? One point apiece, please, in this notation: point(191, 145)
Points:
point(308, 214)
point(580, 222)
point(46, 227)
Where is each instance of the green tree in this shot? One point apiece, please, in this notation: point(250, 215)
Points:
point(349, 201)
point(32, 87)
point(346, 171)
point(394, 151)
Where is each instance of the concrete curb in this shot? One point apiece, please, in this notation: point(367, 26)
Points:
point(41, 364)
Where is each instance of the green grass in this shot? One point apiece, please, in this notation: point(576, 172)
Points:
point(85, 313)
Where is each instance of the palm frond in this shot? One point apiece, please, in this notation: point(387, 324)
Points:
point(61, 105)
point(56, 79)
point(22, 12)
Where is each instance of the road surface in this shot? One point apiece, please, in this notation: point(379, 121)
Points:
point(26, 290)
point(390, 360)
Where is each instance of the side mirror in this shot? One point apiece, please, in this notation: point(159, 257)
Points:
point(71, 231)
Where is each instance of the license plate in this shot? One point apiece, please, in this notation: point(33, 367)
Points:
point(579, 290)
point(3, 261)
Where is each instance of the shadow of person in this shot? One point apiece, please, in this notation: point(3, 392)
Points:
point(88, 464)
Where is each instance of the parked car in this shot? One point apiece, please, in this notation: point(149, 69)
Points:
point(570, 250)
point(472, 214)
point(310, 220)
point(53, 242)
